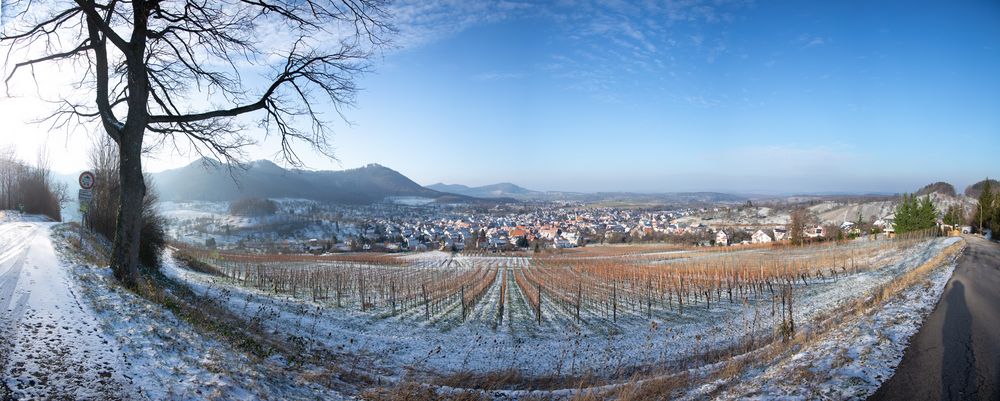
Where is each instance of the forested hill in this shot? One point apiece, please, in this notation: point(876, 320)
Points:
point(210, 180)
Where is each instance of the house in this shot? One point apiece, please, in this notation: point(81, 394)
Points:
point(814, 232)
point(563, 243)
point(780, 234)
point(549, 233)
point(498, 242)
point(314, 245)
point(887, 223)
point(572, 237)
point(721, 238)
point(760, 237)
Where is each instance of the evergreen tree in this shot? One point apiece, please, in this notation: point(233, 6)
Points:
point(914, 215)
point(953, 216)
point(986, 213)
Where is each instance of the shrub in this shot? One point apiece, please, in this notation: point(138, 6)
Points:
point(29, 188)
point(103, 212)
point(153, 236)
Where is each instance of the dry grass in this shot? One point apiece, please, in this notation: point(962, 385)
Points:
point(511, 379)
point(410, 391)
point(663, 388)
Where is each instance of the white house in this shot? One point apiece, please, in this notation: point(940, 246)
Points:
point(721, 238)
point(563, 243)
point(780, 234)
point(760, 237)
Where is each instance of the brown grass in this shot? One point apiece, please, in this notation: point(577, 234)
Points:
point(410, 391)
point(512, 379)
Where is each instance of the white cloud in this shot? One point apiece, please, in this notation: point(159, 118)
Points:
point(422, 22)
point(807, 40)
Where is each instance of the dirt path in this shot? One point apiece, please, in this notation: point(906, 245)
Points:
point(51, 345)
point(956, 353)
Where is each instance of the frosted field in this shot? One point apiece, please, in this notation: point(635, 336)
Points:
point(157, 355)
point(407, 343)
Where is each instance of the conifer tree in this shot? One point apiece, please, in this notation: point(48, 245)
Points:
point(914, 215)
point(986, 212)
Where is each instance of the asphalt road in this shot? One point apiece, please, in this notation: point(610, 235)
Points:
point(956, 353)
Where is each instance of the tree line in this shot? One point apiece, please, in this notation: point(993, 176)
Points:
point(29, 188)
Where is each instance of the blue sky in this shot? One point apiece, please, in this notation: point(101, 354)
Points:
point(768, 97)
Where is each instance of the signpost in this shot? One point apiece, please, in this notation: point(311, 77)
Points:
point(85, 196)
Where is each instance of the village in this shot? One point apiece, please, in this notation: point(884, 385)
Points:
point(307, 226)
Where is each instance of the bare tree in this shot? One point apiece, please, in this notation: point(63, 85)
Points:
point(30, 189)
point(797, 226)
point(148, 62)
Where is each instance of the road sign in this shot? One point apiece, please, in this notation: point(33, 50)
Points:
point(86, 180)
point(84, 207)
point(85, 195)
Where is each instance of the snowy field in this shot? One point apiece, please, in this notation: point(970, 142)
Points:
point(155, 355)
point(409, 345)
point(194, 222)
point(137, 347)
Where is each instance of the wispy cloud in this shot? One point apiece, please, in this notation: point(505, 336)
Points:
point(498, 76)
point(421, 22)
point(807, 40)
point(611, 40)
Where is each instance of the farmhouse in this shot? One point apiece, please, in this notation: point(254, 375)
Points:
point(721, 238)
point(760, 237)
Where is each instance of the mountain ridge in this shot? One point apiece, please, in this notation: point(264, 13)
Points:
point(210, 180)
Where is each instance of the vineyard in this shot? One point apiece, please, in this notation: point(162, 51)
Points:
point(585, 289)
point(596, 311)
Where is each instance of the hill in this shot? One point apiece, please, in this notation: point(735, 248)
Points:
point(939, 187)
point(210, 180)
point(508, 190)
point(976, 189)
point(501, 190)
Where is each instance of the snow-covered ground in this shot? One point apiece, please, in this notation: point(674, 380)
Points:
point(52, 346)
point(69, 329)
point(194, 222)
point(397, 345)
point(165, 356)
point(854, 358)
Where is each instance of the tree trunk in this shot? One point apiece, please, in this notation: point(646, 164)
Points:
point(125, 250)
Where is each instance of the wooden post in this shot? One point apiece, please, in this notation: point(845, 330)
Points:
point(427, 305)
point(538, 308)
